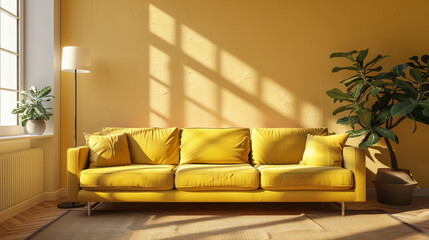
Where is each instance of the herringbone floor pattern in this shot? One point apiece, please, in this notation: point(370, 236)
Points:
point(22, 225)
point(25, 223)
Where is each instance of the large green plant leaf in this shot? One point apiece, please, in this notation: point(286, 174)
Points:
point(375, 91)
point(348, 55)
point(357, 81)
point(417, 115)
point(33, 91)
point(424, 103)
point(401, 97)
point(357, 133)
point(425, 59)
point(338, 94)
point(374, 61)
point(357, 76)
point(417, 75)
point(402, 108)
point(426, 112)
point(357, 90)
point(400, 69)
point(387, 133)
point(40, 110)
point(377, 69)
point(365, 116)
point(382, 117)
point(371, 139)
point(24, 122)
point(337, 69)
point(407, 87)
point(342, 109)
point(362, 55)
point(348, 120)
point(45, 91)
point(18, 110)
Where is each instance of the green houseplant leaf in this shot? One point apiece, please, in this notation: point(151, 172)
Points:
point(338, 94)
point(362, 55)
point(348, 55)
point(387, 133)
point(348, 120)
point(371, 139)
point(402, 108)
point(357, 133)
point(337, 69)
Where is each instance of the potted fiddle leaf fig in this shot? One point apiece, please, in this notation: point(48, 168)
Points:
point(31, 110)
point(375, 103)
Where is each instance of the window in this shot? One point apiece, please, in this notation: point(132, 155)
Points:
point(10, 65)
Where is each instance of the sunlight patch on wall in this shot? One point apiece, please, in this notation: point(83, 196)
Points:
point(196, 115)
point(162, 24)
point(159, 87)
point(159, 98)
point(198, 47)
point(159, 65)
point(310, 115)
point(238, 73)
point(157, 120)
point(238, 112)
point(373, 159)
point(200, 89)
point(278, 98)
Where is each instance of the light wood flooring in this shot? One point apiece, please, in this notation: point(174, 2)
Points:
point(25, 223)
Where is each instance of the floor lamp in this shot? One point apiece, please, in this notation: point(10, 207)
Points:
point(75, 60)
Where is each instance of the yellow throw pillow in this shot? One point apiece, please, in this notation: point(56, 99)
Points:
point(108, 150)
point(324, 150)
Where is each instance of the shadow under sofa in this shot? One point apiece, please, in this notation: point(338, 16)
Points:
point(192, 181)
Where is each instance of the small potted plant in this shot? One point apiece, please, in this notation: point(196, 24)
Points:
point(31, 110)
point(375, 103)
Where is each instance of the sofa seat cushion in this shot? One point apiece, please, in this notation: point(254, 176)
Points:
point(301, 177)
point(207, 177)
point(130, 177)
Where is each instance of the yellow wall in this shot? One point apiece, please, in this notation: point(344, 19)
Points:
point(194, 63)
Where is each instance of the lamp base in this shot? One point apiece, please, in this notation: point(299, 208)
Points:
point(70, 204)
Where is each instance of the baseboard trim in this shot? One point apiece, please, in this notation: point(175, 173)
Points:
point(17, 209)
point(418, 192)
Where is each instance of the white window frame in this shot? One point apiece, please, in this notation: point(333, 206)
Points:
point(18, 129)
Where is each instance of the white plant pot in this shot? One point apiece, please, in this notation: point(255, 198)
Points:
point(36, 127)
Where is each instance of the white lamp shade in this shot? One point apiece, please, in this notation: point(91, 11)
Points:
point(76, 58)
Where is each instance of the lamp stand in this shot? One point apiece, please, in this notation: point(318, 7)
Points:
point(73, 204)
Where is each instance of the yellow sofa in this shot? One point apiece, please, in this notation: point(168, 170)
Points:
point(216, 165)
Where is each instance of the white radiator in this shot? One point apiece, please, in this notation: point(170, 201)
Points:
point(21, 176)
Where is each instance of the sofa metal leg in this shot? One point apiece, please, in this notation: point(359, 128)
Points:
point(343, 208)
point(88, 206)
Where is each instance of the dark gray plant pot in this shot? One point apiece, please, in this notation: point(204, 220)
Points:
point(394, 187)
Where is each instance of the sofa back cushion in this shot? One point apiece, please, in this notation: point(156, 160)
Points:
point(215, 146)
point(150, 145)
point(281, 145)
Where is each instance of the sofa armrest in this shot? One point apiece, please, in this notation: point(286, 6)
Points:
point(354, 159)
point(77, 160)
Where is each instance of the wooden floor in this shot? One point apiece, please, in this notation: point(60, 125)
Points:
point(22, 225)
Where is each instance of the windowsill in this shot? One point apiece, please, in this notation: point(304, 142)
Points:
point(24, 136)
